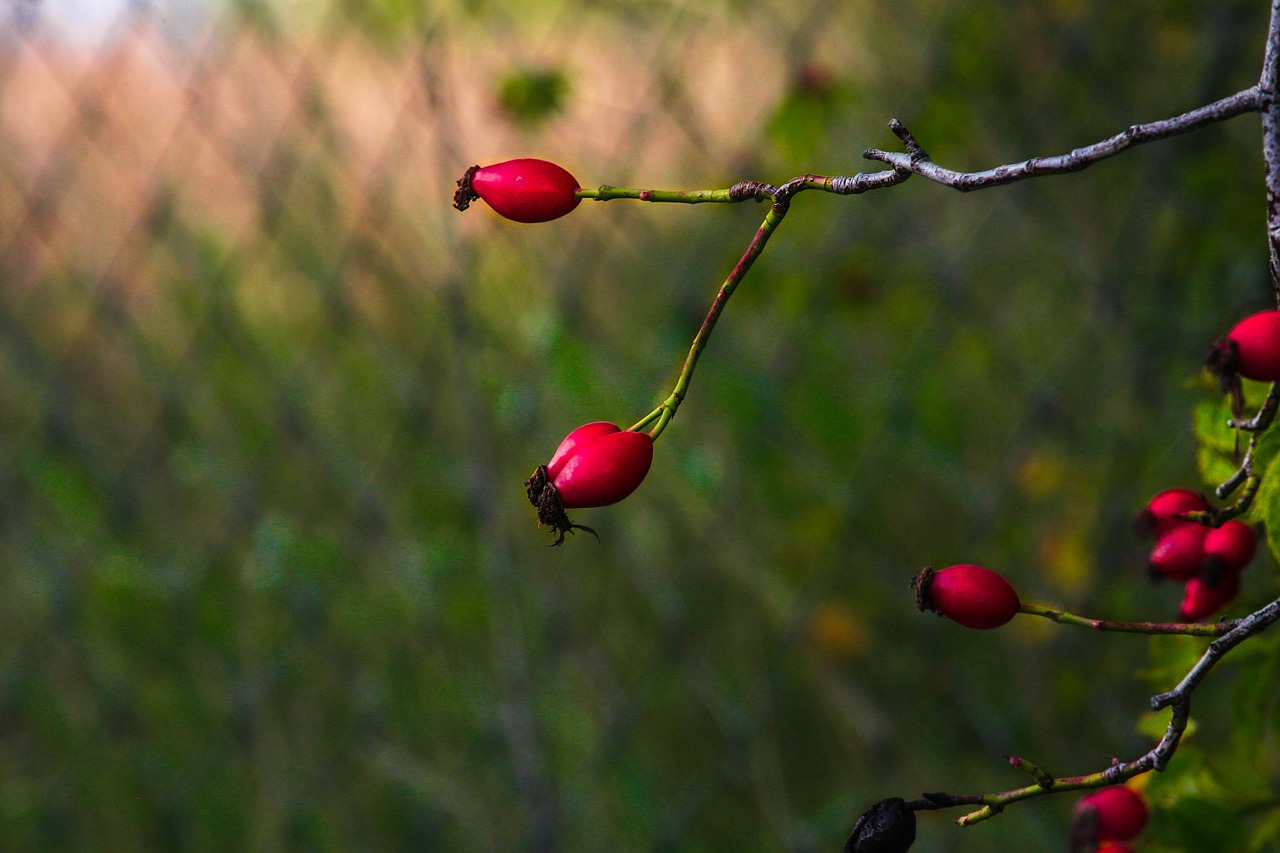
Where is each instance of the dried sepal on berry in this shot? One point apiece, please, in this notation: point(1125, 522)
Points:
point(972, 596)
point(523, 190)
point(597, 464)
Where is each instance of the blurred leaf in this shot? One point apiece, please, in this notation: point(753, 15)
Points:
point(1266, 505)
point(1266, 833)
point(1154, 724)
point(1200, 825)
point(530, 96)
point(806, 113)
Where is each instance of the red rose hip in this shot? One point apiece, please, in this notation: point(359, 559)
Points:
point(1179, 552)
point(595, 465)
point(604, 469)
point(1251, 349)
point(584, 434)
point(1201, 599)
point(1162, 511)
point(972, 596)
point(1110, 814)
point(1229, 548)
point(525, 190)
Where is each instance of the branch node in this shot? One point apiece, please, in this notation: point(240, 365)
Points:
point(1043, 779)
point(914, 148)
point(757, 190)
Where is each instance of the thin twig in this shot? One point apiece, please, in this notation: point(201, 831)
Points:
point(665, 412)
point(1156, 758)
point(1194, 629)
point(916, 161)
point(1268, 86)
point(1253, 624)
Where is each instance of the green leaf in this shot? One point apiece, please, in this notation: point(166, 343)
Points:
point(1256, 695)
point(1266, 834)
point(1200, 825)
point(530, 96)
point(1218, 456)
point(1266, 506)
point(1154, 724)
point(1170, 658)
point(1209, 420)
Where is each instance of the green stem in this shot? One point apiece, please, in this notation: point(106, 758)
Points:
point(1120, 771)
point(1193, 629)
point(646, 420)
point(993, 804)
point(608, 193)
point(667, 410)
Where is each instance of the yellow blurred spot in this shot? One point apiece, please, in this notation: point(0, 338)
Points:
point(835, 631)
point(1042, 474)
point(1066, 10)
point(1031, 631)
point(1067, 560)
point(1174, 42)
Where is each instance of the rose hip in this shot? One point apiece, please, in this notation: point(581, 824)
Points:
point(603, 469)
point(1200, 599)
point(595, 465)
point(1162, 511)
point(1228, 548)
point(525, 190)
point(972, 596)
point(1251, 349)
point(1179, 552)
point(1110, 814)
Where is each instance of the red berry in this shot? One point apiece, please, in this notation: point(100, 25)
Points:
point(1114, 814)
point(582, 435)
point(1179, 552)
point(1251, 349)
point(1229, 548)
point(1162, 511)
point(970, 595)
point(600, 467)
point(595, 465)
point(1113, 847)
point(525, 190)
point(1201, 599)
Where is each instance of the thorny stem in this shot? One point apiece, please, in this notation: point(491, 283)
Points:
point(1194, 629)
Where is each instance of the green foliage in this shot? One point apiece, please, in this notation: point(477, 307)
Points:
point(1221, 449)
point(530, 96)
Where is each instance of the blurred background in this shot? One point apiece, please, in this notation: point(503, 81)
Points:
point(269, 579)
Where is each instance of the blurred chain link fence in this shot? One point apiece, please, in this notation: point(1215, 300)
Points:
point(247, 486)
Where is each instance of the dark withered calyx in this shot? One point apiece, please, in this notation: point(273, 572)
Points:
point(887, 827)
point(465, 194)
point(544, 497)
